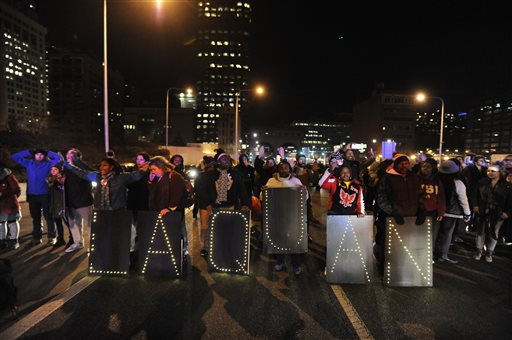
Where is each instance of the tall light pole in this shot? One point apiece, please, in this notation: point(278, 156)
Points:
point(421, 97)
point(260, 91)
point(189, 91)
point(105, 78)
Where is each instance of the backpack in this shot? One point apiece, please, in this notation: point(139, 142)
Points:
point(189, 195)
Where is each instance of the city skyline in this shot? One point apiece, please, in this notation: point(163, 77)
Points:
point(309, 67)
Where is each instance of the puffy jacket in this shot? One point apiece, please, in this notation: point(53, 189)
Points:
point(400, 194)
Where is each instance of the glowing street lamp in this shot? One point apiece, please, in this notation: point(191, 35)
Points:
point(421, 97)
point(260, 90)
point(189, 92)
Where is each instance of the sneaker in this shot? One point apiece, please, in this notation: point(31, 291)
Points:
point(70, 243)
point(59, 243)
point(14, 244)
point(203, 253)
point(279, 267)
point(51, 241)
point(488, 258)
point(185, 252)
point(477, 256)
point(297, 270)
point(74, 247)
point(447, 260)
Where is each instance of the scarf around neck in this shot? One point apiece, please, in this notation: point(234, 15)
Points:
point(105, 191)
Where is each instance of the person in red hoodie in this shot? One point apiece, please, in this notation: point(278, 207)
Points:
point(346, 193)
point(433, 201)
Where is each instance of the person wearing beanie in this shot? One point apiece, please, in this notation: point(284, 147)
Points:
point(38, 194)
point(457, 207)
point(493, 203)
point(398, 196)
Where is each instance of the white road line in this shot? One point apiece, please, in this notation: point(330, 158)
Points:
point(32, 319)
point(356, 321)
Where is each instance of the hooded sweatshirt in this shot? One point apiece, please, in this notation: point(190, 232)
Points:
point(284, 182)
point(37, 172)
point(399, 193)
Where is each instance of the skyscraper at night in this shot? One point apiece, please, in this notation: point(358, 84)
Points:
point(223, 53)
point(23, 75)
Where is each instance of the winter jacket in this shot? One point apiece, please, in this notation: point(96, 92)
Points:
point(117, 185)
point(57, 198)
point(457, 205)
point(9, 192)
point(284, 182)
point(78, 191)
point(166, 192)
point(472, 177)
point(493, 201)
point(138, 195)
point(37, 172)
point(344, 200)
point(247, 175)
point(433, 200)
point(237, 196)
point(399, 194)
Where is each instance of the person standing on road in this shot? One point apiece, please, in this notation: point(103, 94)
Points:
point(223, 188)
point(246, 172)
point(457, 206)
point(202, 202)
point(493, 202)
point(56, 184)
point(398, 196)
point(38, 197)
point(138, 196)
point(10, 210)
point(346, 194)
point(265, 169)
point(78, 194)
point(433, 197)
point(284, 179)
point(179, 166)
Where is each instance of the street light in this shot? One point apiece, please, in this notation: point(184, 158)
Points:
point(422, 97)
point(260, 91)
point(189, 91)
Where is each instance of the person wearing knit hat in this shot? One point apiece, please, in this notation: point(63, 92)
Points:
point(38, 169)
point(398, 196)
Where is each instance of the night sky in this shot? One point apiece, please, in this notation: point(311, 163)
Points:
point(316, 58)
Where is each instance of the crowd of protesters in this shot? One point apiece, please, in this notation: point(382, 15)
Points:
point(457, 196)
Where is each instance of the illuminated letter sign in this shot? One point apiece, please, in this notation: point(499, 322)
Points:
point(110, 243)
point(408, 255)
point(349, 249)
point(230, 234)
point(160, 245)
point(284, 220)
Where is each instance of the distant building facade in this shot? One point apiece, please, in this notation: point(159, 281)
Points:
point(223, 54)
point(489, 127)
point(76, 98)
point(23, 76)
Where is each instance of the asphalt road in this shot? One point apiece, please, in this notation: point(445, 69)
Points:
point(469, 300)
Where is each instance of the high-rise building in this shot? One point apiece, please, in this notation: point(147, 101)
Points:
point(427, 130)
point(223, 53)
point(489, 127)
point(76, 98)
point(23, 75)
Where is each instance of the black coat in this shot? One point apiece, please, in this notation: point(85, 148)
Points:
point(237, 195)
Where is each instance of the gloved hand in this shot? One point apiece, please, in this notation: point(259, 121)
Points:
point(398, 218)
point(420, 219)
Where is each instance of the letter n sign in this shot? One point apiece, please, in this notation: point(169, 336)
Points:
point(408, 254)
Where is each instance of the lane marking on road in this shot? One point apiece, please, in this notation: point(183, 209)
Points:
point(32, 319)
point(354, 318)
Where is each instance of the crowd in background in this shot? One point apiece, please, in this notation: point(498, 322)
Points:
point(461, 195)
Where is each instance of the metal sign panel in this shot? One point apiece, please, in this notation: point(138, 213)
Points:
point(408, 255)
point(285, 220)
point(160, 243)
point(230, 237)
point(110, 242)
point(349, 249)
